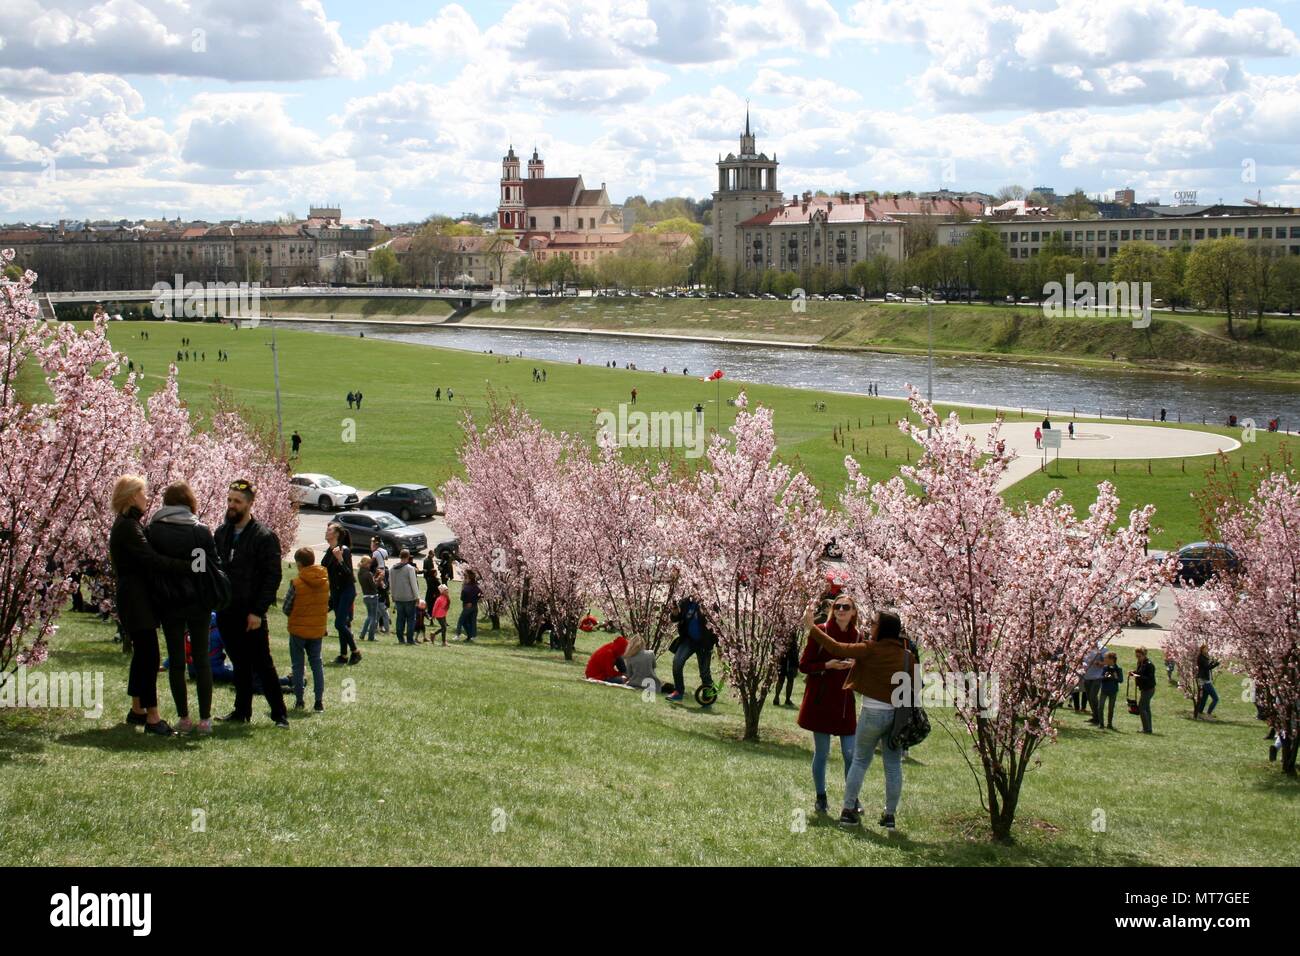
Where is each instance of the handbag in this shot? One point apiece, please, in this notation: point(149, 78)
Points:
point(215, 584)
point(1128, 694)
point(911, 723)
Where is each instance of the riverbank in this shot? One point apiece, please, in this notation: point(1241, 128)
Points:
point(1180, 343)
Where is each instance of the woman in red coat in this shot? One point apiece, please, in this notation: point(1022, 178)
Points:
point(604, 660)
point(829, 708)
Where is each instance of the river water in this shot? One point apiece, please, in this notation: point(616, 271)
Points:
point(1060, 388)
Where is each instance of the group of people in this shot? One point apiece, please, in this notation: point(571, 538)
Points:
point(174, 573)
point(354, 399)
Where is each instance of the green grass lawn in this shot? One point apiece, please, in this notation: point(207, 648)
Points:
point(440, 742)
point(402, 433)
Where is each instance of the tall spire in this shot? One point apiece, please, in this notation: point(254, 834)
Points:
point(747, 133)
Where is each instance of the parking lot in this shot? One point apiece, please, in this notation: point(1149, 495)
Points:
point(312, 522)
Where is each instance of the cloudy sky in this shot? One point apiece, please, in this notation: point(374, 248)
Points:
point(227, 108)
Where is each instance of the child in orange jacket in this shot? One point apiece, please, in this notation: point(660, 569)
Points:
point(308, 603)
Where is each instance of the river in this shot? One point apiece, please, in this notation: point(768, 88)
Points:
point(1188, 398)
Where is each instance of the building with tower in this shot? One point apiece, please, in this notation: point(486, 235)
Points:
point(545, 205)
point(746, 188)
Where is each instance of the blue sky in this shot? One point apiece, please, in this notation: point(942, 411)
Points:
point(253, 108)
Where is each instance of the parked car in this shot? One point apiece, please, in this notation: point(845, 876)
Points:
point(449, 549)
point(893, 297)
point(1143, 608)
point(1201, 560)
point(324, 492)
point(394, 533)
point(405, 501)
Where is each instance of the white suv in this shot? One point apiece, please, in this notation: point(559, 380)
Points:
point(324, 492)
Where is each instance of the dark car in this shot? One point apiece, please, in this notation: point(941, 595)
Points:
point(449, 549)
point(1200, 561)
point(405, 501)
point(394, 533)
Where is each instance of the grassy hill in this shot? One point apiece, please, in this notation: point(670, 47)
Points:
point(439, 744)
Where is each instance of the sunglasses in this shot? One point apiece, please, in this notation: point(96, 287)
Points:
point(240, 486)
point(843, 607)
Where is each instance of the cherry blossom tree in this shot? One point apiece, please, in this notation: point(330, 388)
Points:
point(1253, 616)
point(621, 537)
point(60, 451)
point(506, 462)
point(747, 535)
point(1012, 602)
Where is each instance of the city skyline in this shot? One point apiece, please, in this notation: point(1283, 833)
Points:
point(116, 110)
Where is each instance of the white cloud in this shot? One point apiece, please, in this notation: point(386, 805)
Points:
point(226, 39)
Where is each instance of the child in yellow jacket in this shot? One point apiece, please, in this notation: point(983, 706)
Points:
point(308, 603)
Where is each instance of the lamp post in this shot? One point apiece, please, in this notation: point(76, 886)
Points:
point(275, 365)
point(929, 362)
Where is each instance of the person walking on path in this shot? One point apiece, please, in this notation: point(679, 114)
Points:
point(694, 639)
point(469, 598)
point(369, 597)
point(406, 591)
point(250, 554)
point(1071, 430)
point(135, 563)
point(343, 590)
point(185, 600)
point(1112, 675)
point(440, 605)
point(829, 708)
point(1145, 677)
point(308, 621)
point(875, 664)
point(1038, 437)
point(1205, 666)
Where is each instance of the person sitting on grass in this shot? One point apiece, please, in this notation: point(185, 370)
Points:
point(604, 661)
point(308, 621)
point(639, 662)
point(1112, 675)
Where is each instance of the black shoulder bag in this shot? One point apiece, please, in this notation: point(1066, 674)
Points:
point(911, 725)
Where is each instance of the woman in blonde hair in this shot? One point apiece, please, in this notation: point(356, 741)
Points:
point(639, 666)
point(135, 563)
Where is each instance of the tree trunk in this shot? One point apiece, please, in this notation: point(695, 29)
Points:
point(1289, 747)
point(568, 638)
point(1002, 809)
point(753, 710)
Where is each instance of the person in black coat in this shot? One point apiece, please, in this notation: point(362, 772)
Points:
point(185, 601)
point(250, 554)
point(135, 563)
point(1145, 679)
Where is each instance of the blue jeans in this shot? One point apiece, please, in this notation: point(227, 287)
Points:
point(686, 650)
point(405, 621)
point(822, 753)
point(343, 602)
point(372, 618)
point(468, 621)
point(874, 727)
point(298, 648)
point(1208, 693)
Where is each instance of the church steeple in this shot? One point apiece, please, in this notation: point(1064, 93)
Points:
point(747, 138)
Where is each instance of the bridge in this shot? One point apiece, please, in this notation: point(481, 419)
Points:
point(232, 298)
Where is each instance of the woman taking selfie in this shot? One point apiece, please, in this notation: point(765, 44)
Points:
point(829, 708)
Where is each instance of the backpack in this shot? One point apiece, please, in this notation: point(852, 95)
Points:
point(911, 725)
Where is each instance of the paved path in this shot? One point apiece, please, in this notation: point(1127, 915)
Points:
point(1101, 440)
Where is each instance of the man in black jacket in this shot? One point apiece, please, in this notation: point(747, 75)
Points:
point(250, 554)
